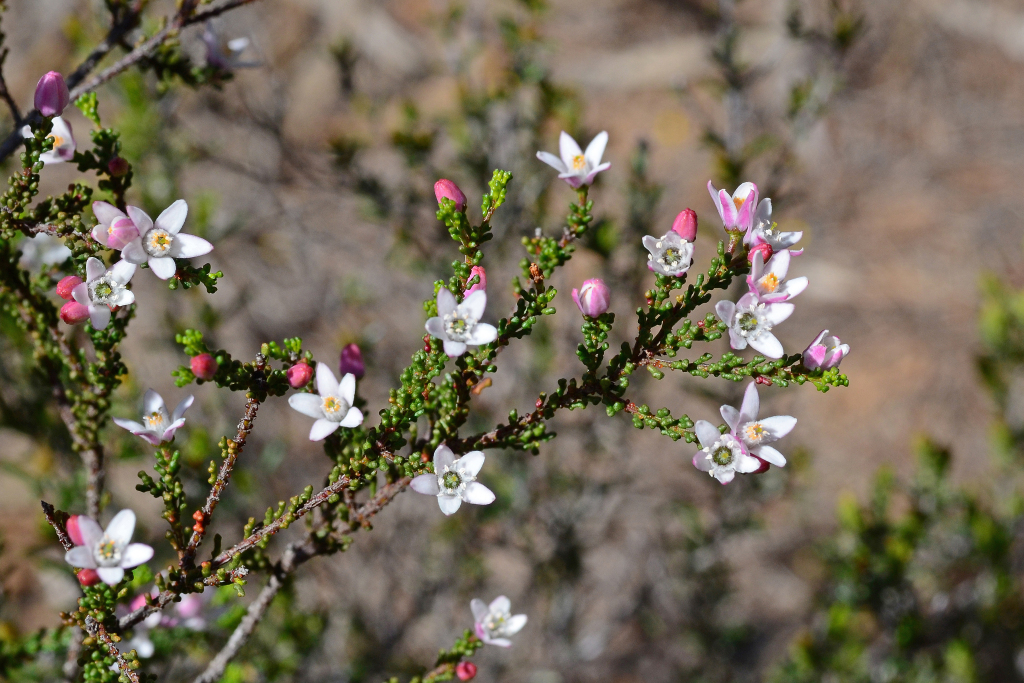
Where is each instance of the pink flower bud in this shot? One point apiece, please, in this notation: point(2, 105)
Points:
point(121, 232)
point(482, 285)
point(204, 366)
point(118, 166)
point(592, 298)
point(52, 94)
point(465, 670)
point(447, 189)
point(88, 577)
point(765, 465)
point(74, 532)
point(74, 313)
point(825, 352)
point(765, 250)
point(351, 362)
point(66, 285)
point(685, 225)
point(299, 375)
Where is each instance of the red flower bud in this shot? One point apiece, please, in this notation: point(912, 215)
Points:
point(67, 285)
point(299, 375)
point(685, 225)
point(764, 248)
point(74, 313)
point(88, 577)
point(118, 166)
point(465, 670)
point(52, 94)
point(204, 366)
point(447, 189)
point(352, 361)
point(74, 532)
point(765, 465)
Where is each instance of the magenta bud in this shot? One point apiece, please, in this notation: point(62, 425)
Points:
point(447, 189)
point(482, 285)
point(52, 94)
point(74, 532)
point(764, 249)
point(465, 670)
point(765, 465)
point(299, 375)
point(825, 352)
point(352, 361)
point(118, 166)
point(74, 313)
point(204, 366)
point(592, 298)
point(67, 285)
point(121, 232)
point(88, 577)
point(685, 225)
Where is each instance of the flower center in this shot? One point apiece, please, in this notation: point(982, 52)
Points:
point(458, 328)
point(747, 322)
point(579, 162)
point(754, 432)
point(495, 623)
point(154, 420)
point(107, 553)
point(722, 455)
point(770, 282)
point(334, 408)
point(451, 480)
point(670, 258)
point(103, 290)
point(738, 201)
point(57, 140)
point(157, 242)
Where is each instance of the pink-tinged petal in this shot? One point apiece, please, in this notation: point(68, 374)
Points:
point(99, 233)
point(751, 404)
point(321, 429)
point(478, 494)
point(701, 462)
point(425, 484)
point(106, 213)
point(568, 149)
point(136, 554)
point(837, 356)
point(50, 158)
point(725, 476)
point(122, 271)
point(99, 316)
point(573, 180)
point(756, 268)
point(745, 214)
point(74, 532)
point(81, 294)
point(81, 556)
point(770, 455)
point(443, 457)
point(725, 310)
point(449, 504)
point(131, 425)
point(814, 356)
point(552, 161)
point(472, 462)
point(707, 433)
point(90, 529)
point(184, 405)
point(168, 434)
point(134, 253)
point(326, 383)
point(817, 340)
point(796, 252)
point(307, 404)
point(189, 246)
point(728, 209)
point(768, 345)
point(347, 388)
point(716, 198)
point(595, 150)
point(173, 217)
point(152, 402)
point(731, 417)
point(483, 334)
point(778, 426)
point(141, 219)
point(473, 305)
point(589, 180)
point(435, 327)
point(110, 575)
point(479, 609)
point(94, 268)
point(446, 303)
point(736, 340)
point(454, 349)
point(353, 418)
point(163, 267)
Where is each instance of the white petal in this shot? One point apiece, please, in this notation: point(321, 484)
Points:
point(134, 253)
point(746, 464)
point(767, 344)
point(482, 334)
point(794, 286)
point(91, 531)
point(347, 388)
point(141, 219)
point(751, 404)
point(179, 411)
point(425, 484)
point(131, 425)
point(449, 504)
point(707, 433)
point(435, 327)
point(725, 310)
point(94, 268)
point(701, 462)
point(99, 233)
point(121, 527)
point(322, 429)
point(124, 298)
point(353, 418)
point(326, 383)
point(189, 246)
point(173, 217)
point(153, 402)
point(776, 313)
point(106, 213)
point(143, 646)
point(778, 426)
point(478, 494)
point(81, 294)
point(595, 150)
point(50, 158)
point(500, 605)
point(81, 556)
point(731, 416)
point(163, 267)
point(445, 302)
point(569, 149)
point(99, 316)
point(779, 264)
point(471, 463)
point(500, 642)
point(122, 271)
point(443, 457)
point(454, 349)
point(515, 624)
point(110, 575)
point(136, 554)
point(479, 609)
point(724, 476)
point(473, 305)
point(552, 161)
point(771, 455)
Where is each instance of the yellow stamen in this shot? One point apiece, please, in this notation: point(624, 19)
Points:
point(754, 431)
point(57, 140)
point(579, 162)
point(770, 282)
point(738, 201)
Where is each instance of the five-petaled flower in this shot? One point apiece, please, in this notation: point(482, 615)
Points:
point(757, 434)
point(751, 322)
point(454, 480)
point(826, 351)
point(157, 425)
point(104, 289)
point(458, 325)
point(768, 280)
point(766, 232)
point(108, 551)
point(331, 405)
point(737, 209)
point(495, 623)
point(161, 242)
point(723, 455)
point(670, 254)
point(577, 167)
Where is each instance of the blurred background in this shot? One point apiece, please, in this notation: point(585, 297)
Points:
point(890, 133)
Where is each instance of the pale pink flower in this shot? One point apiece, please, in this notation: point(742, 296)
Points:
point(495, 623)
point(458, 325)
point(104, 289)
point(108, 551)
point(766, 232)
point(575, 166)
point(114, 229)
point(757, 434)
point(158, 426)
point(751, 322)
point(768, 280)
point(670, 254)
point(737, 209)
point(825, 352)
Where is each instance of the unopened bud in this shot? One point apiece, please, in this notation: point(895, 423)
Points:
point(299, 375)
point(121, 232)
point(74, 531)
point(118, 166)
point(465, 670)
point(447, 189)
point(765, 465)
point(88, 577)
point(74, 313)
point(685, 225)
point(67, 285)
point(592, 298)
point(52, 94)
point(764, 249)
point(351, 362)
point(204, 366)
point(477, 271)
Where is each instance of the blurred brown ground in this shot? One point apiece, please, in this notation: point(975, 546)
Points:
point(908, 191)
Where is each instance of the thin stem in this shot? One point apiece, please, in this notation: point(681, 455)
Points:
point(96, 630)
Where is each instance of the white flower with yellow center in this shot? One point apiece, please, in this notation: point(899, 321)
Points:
point(454, 480)
point(160, 242)
point(331, 405)
point(751, 322)
point(495, 623)
point(670, 254)
point(458, 325)
point(104, 289)
point(63, 142)
point(757, 434)
point(157, 425)
point(109, 551)
point(767, 232)
point(768, 280)
point(575, 166)
point(723, 455)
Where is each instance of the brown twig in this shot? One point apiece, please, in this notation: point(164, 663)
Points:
point(96, 630)
point(58, 520)
point(167, 597)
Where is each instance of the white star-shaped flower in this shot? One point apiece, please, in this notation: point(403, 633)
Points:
point(454, 480)
point(161, 242)
point(751, 322)
point(757, 434)
point(768, 280)
point(104, 290)
point(109, 551)
point(495, 623)
point(577, 167)
point(157, 426)
point(331, 405)
point(767, 232)
point(670, 254)
point(723, 455)
point(458, 325)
